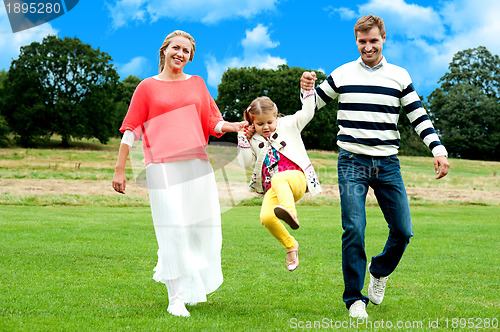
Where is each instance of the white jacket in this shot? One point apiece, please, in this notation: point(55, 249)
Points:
point(287, 140)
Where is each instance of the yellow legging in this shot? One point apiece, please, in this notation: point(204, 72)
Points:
point(287, 187)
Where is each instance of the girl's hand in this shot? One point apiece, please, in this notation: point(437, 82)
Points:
point(307, 80)
point(249, 131)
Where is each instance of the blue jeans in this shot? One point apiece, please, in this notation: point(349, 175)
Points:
point(356, 173)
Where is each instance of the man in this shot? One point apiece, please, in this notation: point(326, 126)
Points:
point(371, 92)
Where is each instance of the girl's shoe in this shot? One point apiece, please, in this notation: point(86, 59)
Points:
point(292, 258)
point(284, 214)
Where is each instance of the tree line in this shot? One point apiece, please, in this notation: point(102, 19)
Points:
point(66, 87)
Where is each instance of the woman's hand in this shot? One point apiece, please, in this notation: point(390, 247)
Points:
point(119, 181)
point(233, 127)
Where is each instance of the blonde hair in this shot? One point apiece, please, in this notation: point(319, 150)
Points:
point(366, 23)
point(260, 105)
point(167, 42)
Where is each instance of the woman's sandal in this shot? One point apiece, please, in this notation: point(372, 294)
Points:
point(292, 258)
point(178, 309)
point(284, 214)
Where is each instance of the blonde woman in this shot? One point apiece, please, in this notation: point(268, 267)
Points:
point(174, 115)
point(282, 170)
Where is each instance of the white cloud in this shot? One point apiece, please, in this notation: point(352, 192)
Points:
point(472, 23)
point(10, 43)
point(138, 66)
point(345, 13)
point(255, 44)
point(205, 11)
point(406, 20)
point(258, 38)
point(125, 10)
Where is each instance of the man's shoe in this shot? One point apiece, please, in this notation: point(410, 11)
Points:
point(358, 310)
point(376, 288)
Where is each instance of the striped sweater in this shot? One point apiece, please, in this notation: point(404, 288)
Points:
point(369, 105)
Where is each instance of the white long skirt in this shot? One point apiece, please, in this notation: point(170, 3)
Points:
point(186, 215)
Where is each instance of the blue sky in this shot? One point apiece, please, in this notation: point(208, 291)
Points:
point(422, 35)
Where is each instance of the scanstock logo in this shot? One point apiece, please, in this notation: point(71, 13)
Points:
point(30, 13)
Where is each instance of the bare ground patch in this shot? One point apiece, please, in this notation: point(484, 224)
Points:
point(237, 190)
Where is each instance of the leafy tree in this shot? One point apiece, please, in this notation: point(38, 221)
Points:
point(4, 128)
point(466, 107)
point(61, 86)
point(3, 80)
point(240, 86)
point(469, 122)
point(477, 67)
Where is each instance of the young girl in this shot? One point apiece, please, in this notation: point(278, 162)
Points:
point(282, 169)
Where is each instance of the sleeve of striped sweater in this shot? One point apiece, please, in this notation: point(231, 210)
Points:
point(419, 119)
point(328, 90)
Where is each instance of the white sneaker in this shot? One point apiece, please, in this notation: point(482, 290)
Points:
point(376, 288)
point(358, 310)
point(178, 309)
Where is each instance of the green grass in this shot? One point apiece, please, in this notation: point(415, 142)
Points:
point(85, 161)
point(83, 262)
point(419, 172)
point(88, 160)
point(91, 161)
point(89, 268)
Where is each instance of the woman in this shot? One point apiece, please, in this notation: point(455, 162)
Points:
point(174, 114)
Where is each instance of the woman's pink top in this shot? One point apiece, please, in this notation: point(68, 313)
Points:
point(174, 118)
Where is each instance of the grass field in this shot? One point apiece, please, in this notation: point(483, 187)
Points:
point(82, 175)
point(81, 269)
point(83, 262)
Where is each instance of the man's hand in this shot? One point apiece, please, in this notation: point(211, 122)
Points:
point(442, 166)
point(307, 80)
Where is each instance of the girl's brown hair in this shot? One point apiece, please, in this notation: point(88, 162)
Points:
point(258, 106)
point(167, 42)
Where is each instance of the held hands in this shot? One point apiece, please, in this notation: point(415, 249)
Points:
point(233, 127)
point(249, 130)
point(442, 166)
point(307, 80)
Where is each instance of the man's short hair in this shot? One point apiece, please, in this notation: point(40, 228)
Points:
point(366, 23)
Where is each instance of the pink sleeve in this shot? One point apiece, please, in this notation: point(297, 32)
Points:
point(137, 112)
point(215, 118)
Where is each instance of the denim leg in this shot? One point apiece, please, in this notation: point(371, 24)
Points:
point(353, 187)
point(391, 195)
